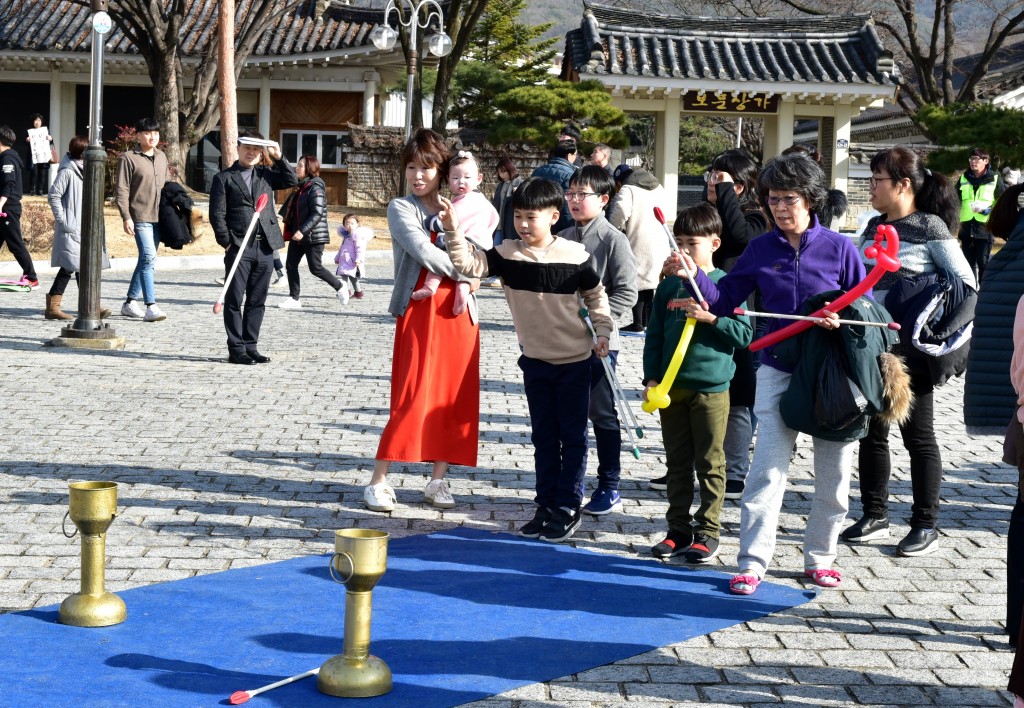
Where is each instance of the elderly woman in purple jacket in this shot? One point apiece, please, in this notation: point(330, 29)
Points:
point(799, 258)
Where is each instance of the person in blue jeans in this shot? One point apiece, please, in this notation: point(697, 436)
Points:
point(141, 174)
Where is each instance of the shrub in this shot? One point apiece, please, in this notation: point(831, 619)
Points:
point(37, 227)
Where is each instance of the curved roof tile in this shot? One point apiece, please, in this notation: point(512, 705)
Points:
point(833, 49)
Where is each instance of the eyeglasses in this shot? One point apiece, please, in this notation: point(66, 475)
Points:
point(579, 196)
point(872, 181)
point(788, 201)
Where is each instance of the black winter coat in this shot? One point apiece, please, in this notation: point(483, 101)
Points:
point(935, 312)
point(175, 215)
point(989, 398)
point(306, 211)
point(232, 204)
point(862, 346)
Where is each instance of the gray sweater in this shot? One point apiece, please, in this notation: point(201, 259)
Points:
point(925, 247)
point(615, 264)
point(412, 249)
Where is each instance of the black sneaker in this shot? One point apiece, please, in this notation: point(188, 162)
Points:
point(867, 529)
point(534, 526)
point(703, 549)
point(659, 483)
point(919, 542)
point(561, 526)
point(675, 544)
point(734, 488)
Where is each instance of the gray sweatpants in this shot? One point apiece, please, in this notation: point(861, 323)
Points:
point(766, 485)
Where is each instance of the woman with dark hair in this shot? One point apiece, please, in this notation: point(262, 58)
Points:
point(435, 371)
point(307, 232)
point(39, 171)
point(990, 401)
point(796, 260)
point(923, 208)
point(508, 180)
point(732, 188)
point(66, 203)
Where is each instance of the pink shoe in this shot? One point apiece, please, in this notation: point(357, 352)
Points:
point(825, 577)
point(744, 584)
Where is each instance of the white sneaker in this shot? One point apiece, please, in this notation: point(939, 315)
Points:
point(438, 494)
point(132, 309)
point(379, 497)
point(343, 294)
point(290, 304)
point(154, 314)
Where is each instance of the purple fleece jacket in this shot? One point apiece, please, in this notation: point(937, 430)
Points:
point(786, 277)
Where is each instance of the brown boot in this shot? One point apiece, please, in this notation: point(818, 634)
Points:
point(105, 313)
point(53, 311)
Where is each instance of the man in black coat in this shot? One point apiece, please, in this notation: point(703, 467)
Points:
point(233, 196)
point(10, 206)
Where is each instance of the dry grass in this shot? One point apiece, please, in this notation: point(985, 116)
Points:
point(37, 228)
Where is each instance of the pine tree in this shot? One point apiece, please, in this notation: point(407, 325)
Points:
point(536, 114)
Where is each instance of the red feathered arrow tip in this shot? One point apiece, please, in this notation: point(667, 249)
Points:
point(261, 203)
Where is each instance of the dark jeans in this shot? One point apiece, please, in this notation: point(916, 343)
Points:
point(925, 461)
point(10, 233)
point(558, 396)
point(641, 311)
point(40, 178)
point(605, 419)
point(60, 282)
point(977, 252)
point(251, 283)
point(693, 430)
point(1015, 570)
point(314, 256)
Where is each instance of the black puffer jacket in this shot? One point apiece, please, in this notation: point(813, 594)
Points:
point(306, 211)
point(989, 398)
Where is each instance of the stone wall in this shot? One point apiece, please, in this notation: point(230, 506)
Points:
point(373, 162)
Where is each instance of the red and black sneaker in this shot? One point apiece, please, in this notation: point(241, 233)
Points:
point(675, 544)
point(703, 548)
point(32, 283)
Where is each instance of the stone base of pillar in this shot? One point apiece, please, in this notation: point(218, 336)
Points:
point(77, 343)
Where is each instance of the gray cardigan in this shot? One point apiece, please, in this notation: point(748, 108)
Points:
point(412, 249)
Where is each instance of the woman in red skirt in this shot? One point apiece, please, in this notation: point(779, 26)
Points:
point(435, 369)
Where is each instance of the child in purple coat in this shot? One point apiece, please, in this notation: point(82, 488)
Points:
point(350, 258)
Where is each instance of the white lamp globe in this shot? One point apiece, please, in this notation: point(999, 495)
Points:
point(384, 38)
point(440, 44)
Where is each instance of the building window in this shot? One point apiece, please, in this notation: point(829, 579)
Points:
point(326, 145)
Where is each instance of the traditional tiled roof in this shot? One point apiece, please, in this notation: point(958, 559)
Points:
point(818, 50)
point(64, 26)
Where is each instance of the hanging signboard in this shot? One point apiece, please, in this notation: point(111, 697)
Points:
point(722, 102)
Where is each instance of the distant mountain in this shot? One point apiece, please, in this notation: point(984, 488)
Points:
point(565, 14)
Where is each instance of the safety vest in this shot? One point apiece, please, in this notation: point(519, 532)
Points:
point(986, 194)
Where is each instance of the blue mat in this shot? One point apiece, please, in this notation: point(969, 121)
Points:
point(459, 616)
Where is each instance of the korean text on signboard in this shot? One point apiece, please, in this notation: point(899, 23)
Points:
point(722, 102)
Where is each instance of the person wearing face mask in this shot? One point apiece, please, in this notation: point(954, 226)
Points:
point(233, 196)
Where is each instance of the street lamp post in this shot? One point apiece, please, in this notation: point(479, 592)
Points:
point(88, 329)
point(439, 44)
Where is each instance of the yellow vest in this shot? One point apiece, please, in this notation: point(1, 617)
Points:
point(985, 194)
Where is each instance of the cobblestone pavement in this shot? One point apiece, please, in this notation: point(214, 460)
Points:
point(225, 466)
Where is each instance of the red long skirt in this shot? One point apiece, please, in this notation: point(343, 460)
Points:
point(435, 384)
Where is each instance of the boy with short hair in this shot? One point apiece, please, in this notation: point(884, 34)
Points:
point(10, 207)
point(694, 423)
point(588, 195)
point(543, 276)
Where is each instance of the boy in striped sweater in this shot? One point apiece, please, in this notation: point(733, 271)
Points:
point(543, 277)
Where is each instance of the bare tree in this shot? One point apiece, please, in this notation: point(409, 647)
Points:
point(462, 17)
point(156, 29)
point(928, 46)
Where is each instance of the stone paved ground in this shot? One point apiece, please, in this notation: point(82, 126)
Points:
point(222, 467)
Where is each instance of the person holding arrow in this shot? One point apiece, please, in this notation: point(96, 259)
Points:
point(259, 170)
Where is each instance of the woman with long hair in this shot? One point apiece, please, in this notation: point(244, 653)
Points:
point(307, 232)
point(923, 208)
point(435, 370)
point(508, 180)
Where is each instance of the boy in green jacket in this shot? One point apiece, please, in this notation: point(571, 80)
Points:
point(693, 424)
